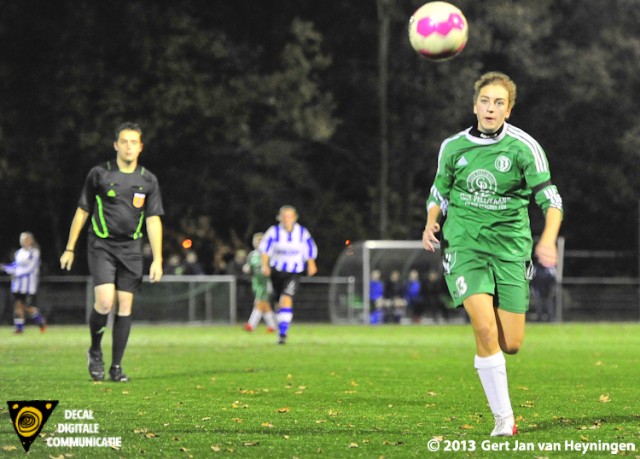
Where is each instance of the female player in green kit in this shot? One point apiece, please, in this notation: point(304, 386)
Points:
point(486, 177)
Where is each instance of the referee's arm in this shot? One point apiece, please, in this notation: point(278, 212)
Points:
point(154, 231)
point(79, 219)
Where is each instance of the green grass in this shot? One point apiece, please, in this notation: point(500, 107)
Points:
point(331, 392)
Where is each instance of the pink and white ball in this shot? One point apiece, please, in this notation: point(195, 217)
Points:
point(438, 31)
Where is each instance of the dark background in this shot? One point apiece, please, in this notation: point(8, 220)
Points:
point(248, 105)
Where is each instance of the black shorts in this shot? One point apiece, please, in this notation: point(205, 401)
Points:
point(27, 298)
point(116, 262)
point(283, 284)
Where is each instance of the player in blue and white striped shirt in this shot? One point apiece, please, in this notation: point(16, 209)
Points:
point(288, 250)
point(25, 272)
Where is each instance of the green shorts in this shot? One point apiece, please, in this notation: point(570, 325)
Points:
point(468, 273)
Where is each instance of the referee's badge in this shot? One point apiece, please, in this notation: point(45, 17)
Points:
point(138, 200)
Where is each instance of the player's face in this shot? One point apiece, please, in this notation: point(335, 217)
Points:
point(129, 146)
point(492, 108)
point(25, 240)
point(288, 218)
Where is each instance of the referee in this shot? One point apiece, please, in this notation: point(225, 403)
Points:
point(287, 251)
point(119, 196)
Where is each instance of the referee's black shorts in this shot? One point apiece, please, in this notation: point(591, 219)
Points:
point(116, 262)
point(283, 283)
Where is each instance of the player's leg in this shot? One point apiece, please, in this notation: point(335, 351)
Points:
point(105, 296)
point(269, 316)
point(511, 327)
point(35, 314)
point(490, 362)
point(284, 316)
point(18, 314)
point(121, 332)
point(256, 313)
point(102, 267)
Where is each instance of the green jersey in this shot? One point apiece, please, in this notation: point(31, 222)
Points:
point(484, 185)
point(259, 282)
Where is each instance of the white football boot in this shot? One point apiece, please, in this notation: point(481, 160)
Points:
point(505, 427)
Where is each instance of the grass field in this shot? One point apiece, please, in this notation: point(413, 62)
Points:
point(331, 392)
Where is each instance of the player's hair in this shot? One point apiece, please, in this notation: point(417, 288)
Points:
point(285, 208)
point(128, 126)
point(498, 78)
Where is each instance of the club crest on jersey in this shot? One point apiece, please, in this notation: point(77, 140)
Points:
point(502, 164)
point(138, 200)
point(482, 183)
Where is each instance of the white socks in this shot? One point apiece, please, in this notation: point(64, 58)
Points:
point(255, 317)
point(492, 371)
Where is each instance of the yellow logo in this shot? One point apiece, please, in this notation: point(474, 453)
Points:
point(29, 417)
point(138, 200)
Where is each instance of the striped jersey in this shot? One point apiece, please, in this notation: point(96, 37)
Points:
point(25, 271)
point(120, 202)
point(288, 251)
point(483, 187)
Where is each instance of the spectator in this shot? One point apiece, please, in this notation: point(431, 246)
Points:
point(543, 289)
point(191, 266)
point(376, 297)
point(436, 296)
point(396, 305)
point(413, 296)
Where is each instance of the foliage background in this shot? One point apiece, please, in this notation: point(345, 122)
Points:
point(249, 105)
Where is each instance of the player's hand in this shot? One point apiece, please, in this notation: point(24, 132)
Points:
point(429, 236)
point(547, 254)
point(66, 260)
point(312, 269)
point(266, 270)
point(155, 271)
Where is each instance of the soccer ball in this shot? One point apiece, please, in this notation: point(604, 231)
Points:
point(438, 31)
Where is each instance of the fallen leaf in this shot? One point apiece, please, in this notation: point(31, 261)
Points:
point(353, 445)
point(466, 426)
point(9, 448)
point(604, 399)
point(251, 443)
point(284, 410)
point(267, 424)
point(216, 448)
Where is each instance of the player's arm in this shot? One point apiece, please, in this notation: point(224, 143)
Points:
point(546, 249)
point(266, 269)
point(154, 232)
point(312, 268)
point(432, 227)
point(79, 219)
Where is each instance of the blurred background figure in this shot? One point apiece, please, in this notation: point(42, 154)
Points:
point(543, 288)
point(191, 266)
point(261, 287)
point(174, 265)
point(376, 297)
point(436, 295)
point(25, 273)
point(396, 304)
point(413, 296)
